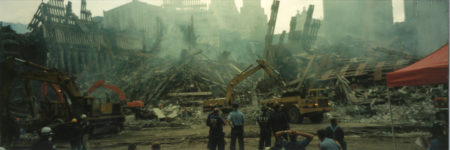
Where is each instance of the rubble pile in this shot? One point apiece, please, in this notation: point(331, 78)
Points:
point(409, 104)
point(251, 113)
point(168, 116)
point(158, 80)
point(418, 112)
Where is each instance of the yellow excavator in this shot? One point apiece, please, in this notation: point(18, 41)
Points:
point(50, 111)
point(225, 104)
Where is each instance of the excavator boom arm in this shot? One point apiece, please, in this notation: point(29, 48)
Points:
point(111, 87)
point(236, 80)
point(49, 75)
point(245, 74)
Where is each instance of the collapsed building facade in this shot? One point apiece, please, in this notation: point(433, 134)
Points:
point(75, 44)
point(215, 27)
point(72, 44)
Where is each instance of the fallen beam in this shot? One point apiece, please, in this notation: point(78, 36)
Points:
point(190, 94)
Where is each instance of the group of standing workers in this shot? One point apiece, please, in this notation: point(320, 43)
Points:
point(271, 123)
point(277, 123)
point(216, 136)
point(77, 131)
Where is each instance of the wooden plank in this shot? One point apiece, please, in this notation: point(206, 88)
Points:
point(219, 76)
point(327, 75)
point(293, 82)
point(360, 69)
point(344, 69)
point(235, 68)
point(190, 94)
point(377, 74)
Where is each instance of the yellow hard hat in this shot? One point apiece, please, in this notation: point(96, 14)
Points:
point(74, 120)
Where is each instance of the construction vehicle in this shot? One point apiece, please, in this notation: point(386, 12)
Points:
point(135, 106)
point(225, 104)
point(138, 104)
point(70, 103)
point(302, 101)
point(313, 105)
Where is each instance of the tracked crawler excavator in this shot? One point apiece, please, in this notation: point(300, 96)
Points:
point(55, 112)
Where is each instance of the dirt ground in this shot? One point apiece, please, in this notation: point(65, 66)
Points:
point(358, 136)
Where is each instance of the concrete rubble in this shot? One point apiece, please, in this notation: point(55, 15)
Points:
point(409, 105)
point(168, 116)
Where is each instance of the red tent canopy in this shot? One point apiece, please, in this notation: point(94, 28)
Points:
point(432, 69)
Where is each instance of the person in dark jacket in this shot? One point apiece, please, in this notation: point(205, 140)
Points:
point(335, 132)
point(279, 121)
point(10, 131)
point(85, 129)
point(76, 134)
point(438, 140)
point(216, 136)
point(264, 128)
point(45, 140)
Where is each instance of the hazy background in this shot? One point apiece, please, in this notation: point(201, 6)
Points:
point(21, 11)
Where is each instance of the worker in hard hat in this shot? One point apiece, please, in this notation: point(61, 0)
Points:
point(9, 130)
point(85, 128)
point(75, 134)
point(45, 140)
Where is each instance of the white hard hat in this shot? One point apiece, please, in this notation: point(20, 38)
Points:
point(46, 130)
point(83, 116)
point(1, 148)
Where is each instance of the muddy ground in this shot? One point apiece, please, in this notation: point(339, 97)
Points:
point(358, 136)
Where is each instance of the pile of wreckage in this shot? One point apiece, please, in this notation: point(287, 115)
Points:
point(356, 75)
point(162, 81)
point(409, 104)
point(172, 91)
point(166, 116)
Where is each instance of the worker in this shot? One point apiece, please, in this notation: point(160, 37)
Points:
point(216, 137)
point(335, 132)
point(438, 140)
point(278, 122)
point(132, 146)
point(264, 128)
point(325, 142)
point(156, 146)
point(10, 130)
point(85, 129)
point(293, 144)
point(75, 135)
point(236, 121)
point(45, 140)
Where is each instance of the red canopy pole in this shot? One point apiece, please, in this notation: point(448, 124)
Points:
point(392, 120)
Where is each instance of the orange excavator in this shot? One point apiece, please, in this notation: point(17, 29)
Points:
point(101, 83)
